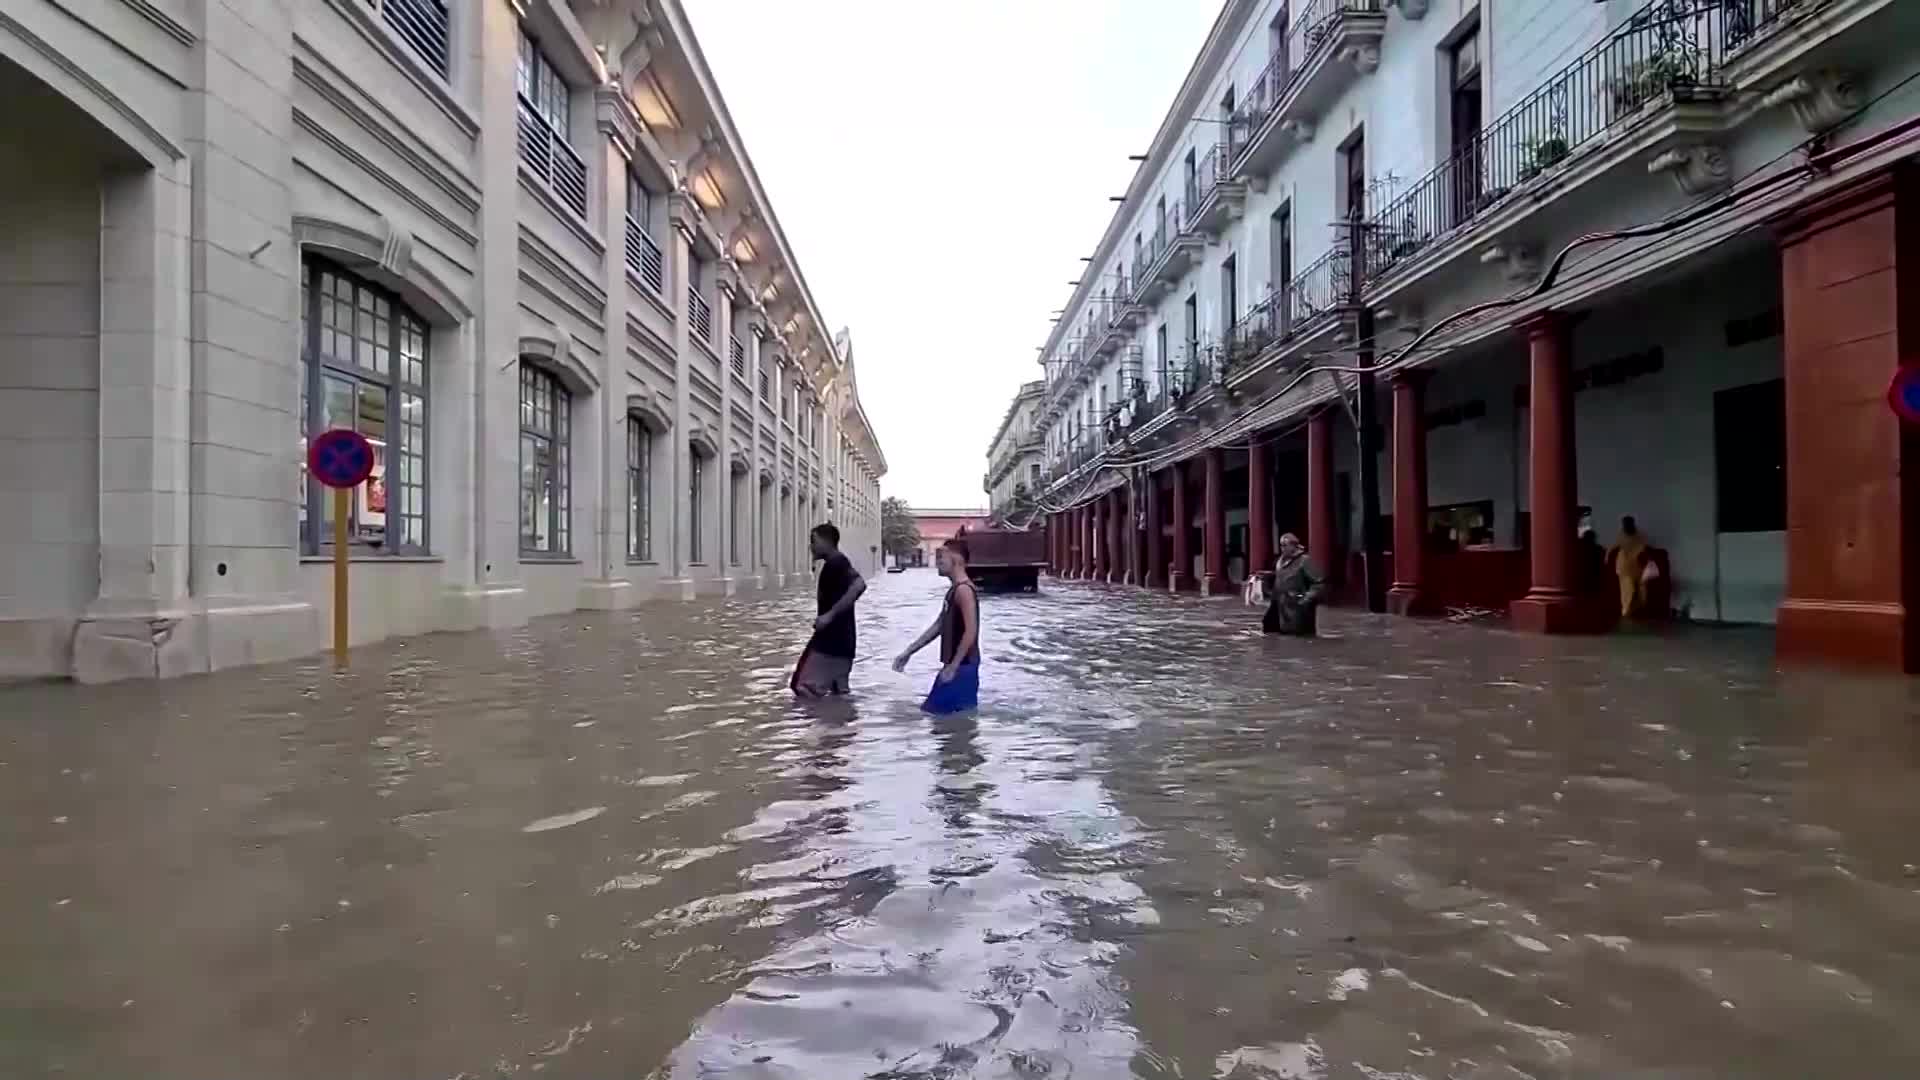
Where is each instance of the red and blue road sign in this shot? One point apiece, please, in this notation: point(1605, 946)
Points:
point(1903, 394)
point(340, 458)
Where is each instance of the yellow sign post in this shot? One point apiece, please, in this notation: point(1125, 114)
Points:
point(342, 460)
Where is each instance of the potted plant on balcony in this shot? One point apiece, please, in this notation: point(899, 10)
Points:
point(1543, 154)
point(1668, 71)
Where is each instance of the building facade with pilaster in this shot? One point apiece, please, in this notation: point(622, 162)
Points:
point(1347, 295)
point(517, 244)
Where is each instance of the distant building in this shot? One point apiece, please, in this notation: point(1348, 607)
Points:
point(939, 526)
point(1016, 456)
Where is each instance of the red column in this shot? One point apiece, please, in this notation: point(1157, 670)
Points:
point(1320, 523)
point(1116, 556)
point(1156, 550)
point(1214, 526)
point(1086, 542)
point(1850, 289)
point(1073, 544)
point(1259, 509)
point(1550, 606)
point(1182, 567)
point(1096, 539)
point(1133, 533)
point(1409, 494)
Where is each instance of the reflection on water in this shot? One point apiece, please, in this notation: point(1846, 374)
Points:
point(1165, 847)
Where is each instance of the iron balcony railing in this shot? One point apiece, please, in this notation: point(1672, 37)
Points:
point(1309, 31)
point(737, 356)
point(1169, 225)
point(422, 24)
point(1205, 180)
point(546, 152)
point(1674, 48)
point(700, 315)
point(644, 259)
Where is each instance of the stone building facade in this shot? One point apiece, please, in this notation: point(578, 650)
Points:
point(1347, 295)
point(1016, 458)
point(516, 243)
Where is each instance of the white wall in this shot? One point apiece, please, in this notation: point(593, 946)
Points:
point(49, 368)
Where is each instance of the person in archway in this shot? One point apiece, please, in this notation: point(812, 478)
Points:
point(827, 663)
point(957, 687)
point(1628, 557)
point(1293, 596)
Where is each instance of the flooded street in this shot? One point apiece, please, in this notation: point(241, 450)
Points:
point(1165, 847)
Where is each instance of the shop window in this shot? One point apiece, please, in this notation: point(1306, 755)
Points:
point(364, 367)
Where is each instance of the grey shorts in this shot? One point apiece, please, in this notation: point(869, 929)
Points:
point(820, 674)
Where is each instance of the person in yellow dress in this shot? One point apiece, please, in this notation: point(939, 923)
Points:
point(1628, 557)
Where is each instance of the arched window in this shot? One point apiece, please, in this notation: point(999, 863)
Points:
point(546, 482)
point(364, 366)
point(639, 490)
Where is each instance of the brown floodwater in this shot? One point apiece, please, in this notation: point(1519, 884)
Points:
point(613, 846)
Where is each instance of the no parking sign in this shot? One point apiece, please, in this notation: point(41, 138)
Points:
point(1903, 394)
point(342, 460)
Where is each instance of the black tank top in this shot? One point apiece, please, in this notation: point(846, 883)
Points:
point(953, 627)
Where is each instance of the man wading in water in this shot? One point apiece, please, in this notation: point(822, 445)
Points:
point(828, 660)
point(1294, 594)
point(957, 687)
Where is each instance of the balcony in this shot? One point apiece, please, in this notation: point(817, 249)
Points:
point(1329, 45)
point(1214, 198)
point(737, 357)
point(645, 263)
point(1171, 256)
point(1595, 115)
point(546, 153)
point(700, 317)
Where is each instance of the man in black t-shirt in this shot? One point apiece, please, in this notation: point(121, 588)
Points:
point(828, 661)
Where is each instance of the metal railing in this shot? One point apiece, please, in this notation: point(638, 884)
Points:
point(700, 315)
point(422, 24)
point(1749, 20)
point(1309, 31)
point(737, 356)
point(644, 259)
point(1170, 225)
point(1207, 177)
point(547, 153)
point(1671, 49)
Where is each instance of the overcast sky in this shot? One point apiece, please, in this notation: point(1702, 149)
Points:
point(940, 168)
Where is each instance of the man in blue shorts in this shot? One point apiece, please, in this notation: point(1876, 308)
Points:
point(957, 687)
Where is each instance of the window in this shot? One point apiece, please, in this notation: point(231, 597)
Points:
point(1353, 186)
point(364, 359)
point(545, 483)
point(1464, 120)
point(1160, 353)
point(1192, 167)
point(1750, 458)
point(1277, 46)
point(645, 261)
point(543, 102)
point(699, 311)
point(639, 490)
point(422, 24)
point(737, 488)
point(1230, 293)
point(696, 477)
